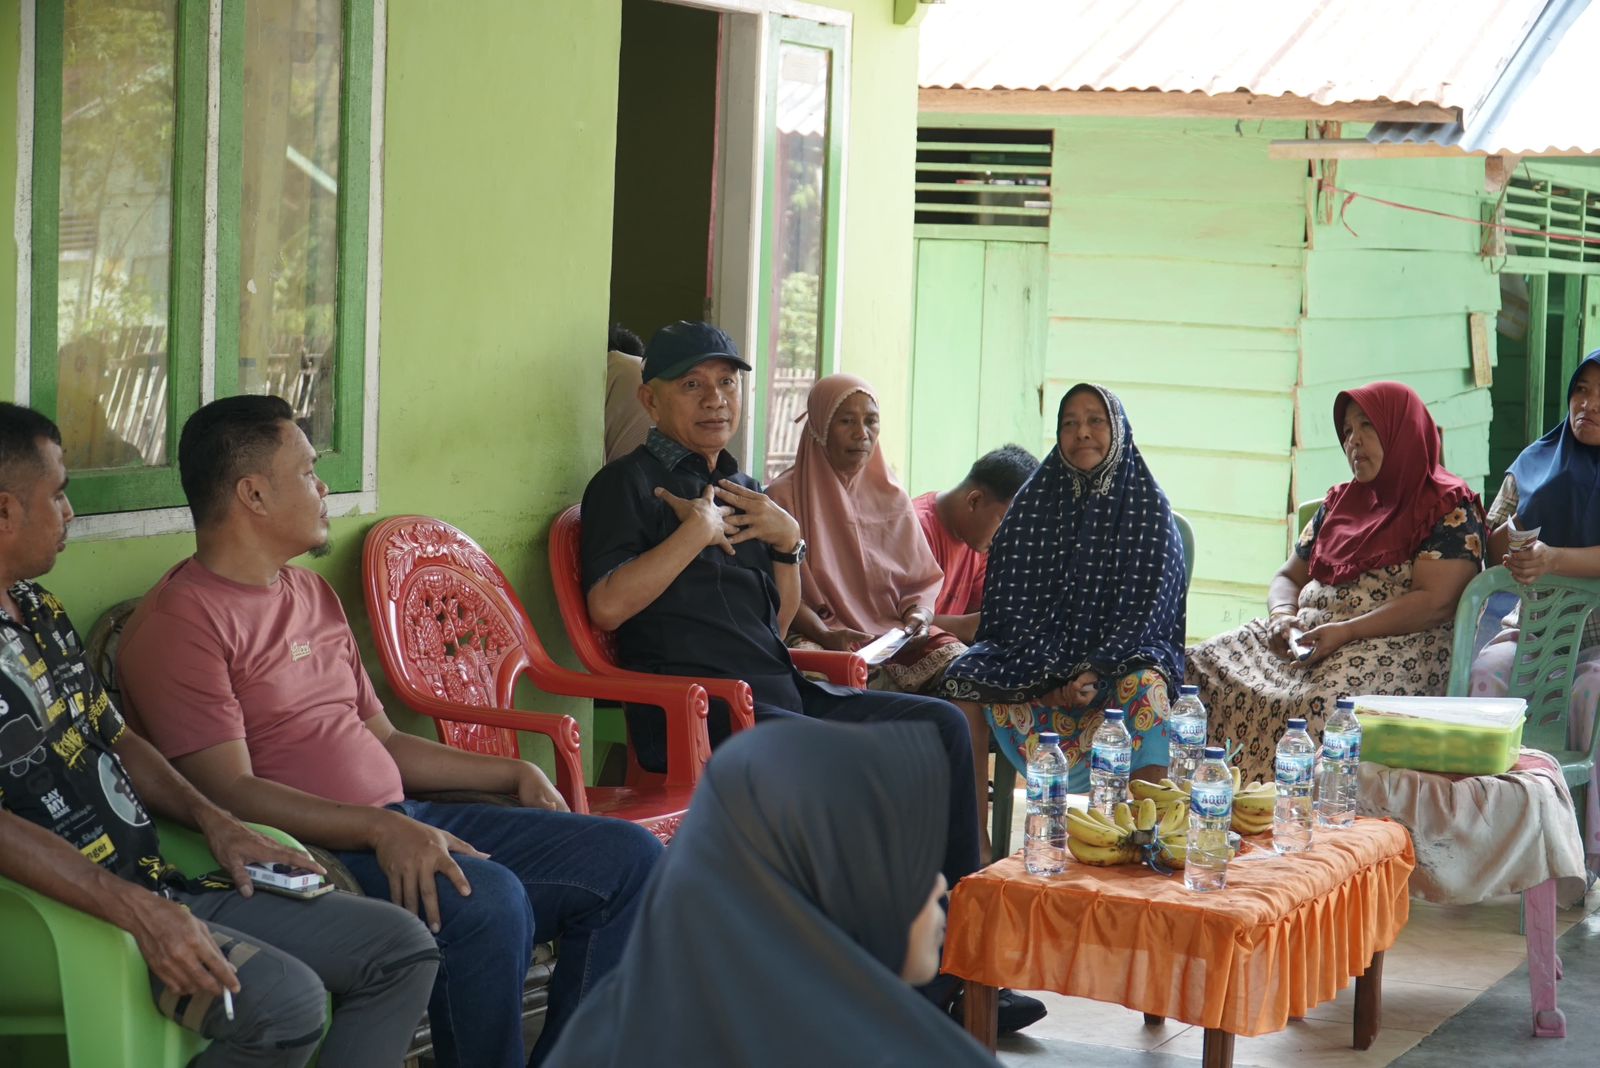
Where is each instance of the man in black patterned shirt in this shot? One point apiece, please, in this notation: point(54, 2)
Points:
point(74, 783)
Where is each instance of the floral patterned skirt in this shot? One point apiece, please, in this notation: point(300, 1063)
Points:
point(1250, 692)
point(1017, 722)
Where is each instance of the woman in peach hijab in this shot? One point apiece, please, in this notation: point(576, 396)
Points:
point(869, 569)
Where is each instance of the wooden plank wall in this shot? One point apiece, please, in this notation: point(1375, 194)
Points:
point(1192, 275)
point(1391, 300)
point(1176, 253)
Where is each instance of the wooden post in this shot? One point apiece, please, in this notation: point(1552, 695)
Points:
point(1217, 1051)
point(1152, 1020)
point(983, 1010)
point(1369, 1003)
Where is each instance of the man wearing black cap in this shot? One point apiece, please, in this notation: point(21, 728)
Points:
point(697, 572)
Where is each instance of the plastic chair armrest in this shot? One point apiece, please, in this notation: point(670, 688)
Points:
point(562, 730)
point(736, 692)
point(841, 669)
point(683, 699)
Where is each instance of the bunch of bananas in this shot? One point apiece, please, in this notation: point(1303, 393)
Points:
point(1095, 838)
point(1253, 805)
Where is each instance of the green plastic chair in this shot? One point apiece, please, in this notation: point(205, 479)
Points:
point(1302, 516)
point(70, 974)
point(1554, 611)
point(1003, 805)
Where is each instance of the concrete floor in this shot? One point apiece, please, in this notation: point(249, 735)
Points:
point(1455, 992)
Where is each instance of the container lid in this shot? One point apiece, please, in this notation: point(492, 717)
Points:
point(1215, 752)
point(1297, 724)
point(1188, 691)
point(1114, 715)
point(1345, 702)
point(1498, 712)
point(1049, 738)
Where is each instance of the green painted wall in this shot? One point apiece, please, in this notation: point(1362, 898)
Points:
point(1392, 300)
point(1186, 273)
point(876, 261)
point(666, 135)
point(496, 274)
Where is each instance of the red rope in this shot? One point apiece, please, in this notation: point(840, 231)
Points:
point(1350, 195)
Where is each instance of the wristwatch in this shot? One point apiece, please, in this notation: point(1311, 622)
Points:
point(795, 557)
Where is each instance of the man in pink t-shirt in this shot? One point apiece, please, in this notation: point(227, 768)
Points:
point(959, 524)
point(245, 674)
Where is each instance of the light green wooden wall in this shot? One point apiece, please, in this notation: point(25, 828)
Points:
point(1189, 274)
point(1391, 300)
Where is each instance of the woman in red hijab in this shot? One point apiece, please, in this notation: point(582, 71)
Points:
point(1366, 600)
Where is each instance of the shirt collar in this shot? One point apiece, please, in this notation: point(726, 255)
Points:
point(672, 454)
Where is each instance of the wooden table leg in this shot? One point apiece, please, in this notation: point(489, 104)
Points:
point(1217, 1050)
point(1369, 1004)
point(1152, 1020)
point(982, 1011)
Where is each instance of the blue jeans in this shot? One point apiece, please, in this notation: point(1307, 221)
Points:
point(553, 875)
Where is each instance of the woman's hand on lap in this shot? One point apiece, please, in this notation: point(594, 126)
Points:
point(1079, 693)
point(916, 621)
point(1325, 640)
point(1278, 628)
point(844, 640)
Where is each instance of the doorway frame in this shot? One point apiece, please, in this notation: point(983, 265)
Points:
point(740, 175)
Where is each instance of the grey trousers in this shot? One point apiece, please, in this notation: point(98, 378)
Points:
point(376, 959)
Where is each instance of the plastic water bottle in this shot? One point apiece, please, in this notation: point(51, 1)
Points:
point(1044, 840)
point(1210, 814)
point(1110, 763)
point(1337, 787)
point(1291, 817)
point(1186, 724)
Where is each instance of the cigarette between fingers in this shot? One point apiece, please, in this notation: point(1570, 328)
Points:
point(227, 1003)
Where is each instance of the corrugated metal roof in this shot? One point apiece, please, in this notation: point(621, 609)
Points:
point(1444, 52)
point(1544, 102)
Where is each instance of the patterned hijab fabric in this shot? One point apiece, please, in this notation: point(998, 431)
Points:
point(1558, 483)
point(1085, 573)
point(1370, 525)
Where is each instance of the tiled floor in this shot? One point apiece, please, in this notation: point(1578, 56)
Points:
point(1455, 992)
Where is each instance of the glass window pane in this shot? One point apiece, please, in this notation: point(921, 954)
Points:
point(114, 236)
point(288, 225)
point(795, 313)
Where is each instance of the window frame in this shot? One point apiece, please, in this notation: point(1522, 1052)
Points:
point(203, 308)
point(834, 38)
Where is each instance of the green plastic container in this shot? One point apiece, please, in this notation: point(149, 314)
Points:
point(1455, 735)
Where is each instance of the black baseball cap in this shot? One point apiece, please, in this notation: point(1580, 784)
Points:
point(678, 346)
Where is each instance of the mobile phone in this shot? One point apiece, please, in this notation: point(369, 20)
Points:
point(288, 880)
point(1298, 648)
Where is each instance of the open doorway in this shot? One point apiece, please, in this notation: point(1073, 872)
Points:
point(1547, 322)
point(662, 219)
point(728, 195)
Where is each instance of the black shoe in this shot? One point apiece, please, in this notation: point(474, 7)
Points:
point(1017, 1011)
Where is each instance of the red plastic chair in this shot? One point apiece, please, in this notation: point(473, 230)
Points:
point(597, 649)
point(454, 639)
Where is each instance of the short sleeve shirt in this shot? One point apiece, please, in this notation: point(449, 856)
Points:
point(1458, 536)
point(963, 566)
point(205, 660)
point(57, 729)
point(719, 617)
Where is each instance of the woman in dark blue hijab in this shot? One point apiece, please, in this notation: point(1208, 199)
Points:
point(1083, 604)
point(1554, 488)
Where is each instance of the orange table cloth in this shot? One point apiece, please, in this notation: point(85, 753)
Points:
point(1288, 932)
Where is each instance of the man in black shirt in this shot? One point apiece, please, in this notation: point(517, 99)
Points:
point(74, 785)
point(697, 572)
